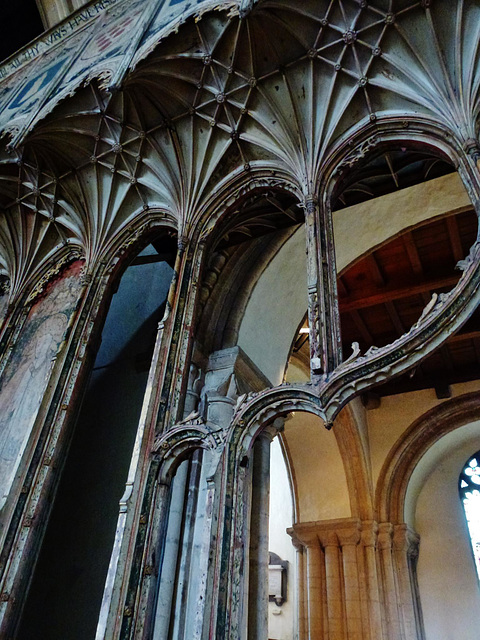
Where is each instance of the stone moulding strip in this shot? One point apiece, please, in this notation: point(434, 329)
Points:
point(413, 444)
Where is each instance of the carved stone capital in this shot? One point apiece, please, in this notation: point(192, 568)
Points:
point(369, 533)
point(296, 542)
point(385, 535)
point(406, 540)
point(350, 536)
point(304, 534)
point(328, 539)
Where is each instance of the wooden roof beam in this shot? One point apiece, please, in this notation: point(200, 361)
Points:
point(395, 318)
point(412, 251)
point(375, 271)
point(467, 335)
point(454, 235)
point(386, 294)
point(362, 327)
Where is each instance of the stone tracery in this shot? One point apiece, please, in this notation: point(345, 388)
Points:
point(230, 104)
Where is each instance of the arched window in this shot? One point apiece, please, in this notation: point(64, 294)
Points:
point(469, 487)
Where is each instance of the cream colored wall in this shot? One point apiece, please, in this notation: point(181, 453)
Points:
point(448, 584)
point(319, 475)
point(275, 309)
point(464, 438)
point(395, 414)
point(360, 228)
point(281, 619)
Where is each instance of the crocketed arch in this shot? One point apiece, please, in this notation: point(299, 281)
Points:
point(175, 445)
point(259, 216)
point(363, 140)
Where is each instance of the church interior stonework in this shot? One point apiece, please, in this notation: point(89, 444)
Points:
point(239, 320)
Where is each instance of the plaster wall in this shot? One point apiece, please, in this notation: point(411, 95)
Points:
point(281, 619)
point(319, 475)
point(448, 584)
point(395, 414)
point(360, 228)
point(276, 308)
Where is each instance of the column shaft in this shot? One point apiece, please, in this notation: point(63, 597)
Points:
point(401, 543)
point(389, 587)
point(301, 603)
point(369, 533)
point(352, 592)
point(258, 565)
point(334, 591)
point(315, 591)
point(166, 586)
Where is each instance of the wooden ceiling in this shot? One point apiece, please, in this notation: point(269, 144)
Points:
point(384, 294)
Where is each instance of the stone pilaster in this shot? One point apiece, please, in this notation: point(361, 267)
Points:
point(405, 544)
point(372, 605)
point(258, 560)
point(349, 539)
point(391, 610)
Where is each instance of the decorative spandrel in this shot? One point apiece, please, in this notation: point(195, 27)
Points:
point(469, 487)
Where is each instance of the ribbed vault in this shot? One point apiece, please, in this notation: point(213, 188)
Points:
point(279, 86)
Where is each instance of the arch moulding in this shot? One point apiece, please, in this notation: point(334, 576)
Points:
point(412, 445)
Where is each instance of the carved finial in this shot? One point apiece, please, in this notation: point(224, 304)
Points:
point(355, 353)
point(4, 285)
point(86, 277)
point(472, 148)
point(245, 7)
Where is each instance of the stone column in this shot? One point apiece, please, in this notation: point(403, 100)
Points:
point(323, 314)
point(413, 551)
point(370, 580)
point(167, 581)
point(404, 541)
point(258, 561)
point(186, 546)
point(314, 581)
point(315, 561)
point(301, 615)
point(389, 588)
point(349, 539)
point(333, 576)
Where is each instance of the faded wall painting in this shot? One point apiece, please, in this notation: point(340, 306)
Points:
point(25, 377)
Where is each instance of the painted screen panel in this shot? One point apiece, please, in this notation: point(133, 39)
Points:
point(26, 374)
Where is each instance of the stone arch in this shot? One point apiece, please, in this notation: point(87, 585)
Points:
point(355, 463)
point(76, 361)
point(361, 141)
point(177, 443)
point(231, 276)
point(237, 186)
point(397, 470)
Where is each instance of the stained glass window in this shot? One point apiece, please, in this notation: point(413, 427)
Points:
point(469, 487)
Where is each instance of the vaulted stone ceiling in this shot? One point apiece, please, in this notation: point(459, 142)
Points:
point(278, 88)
